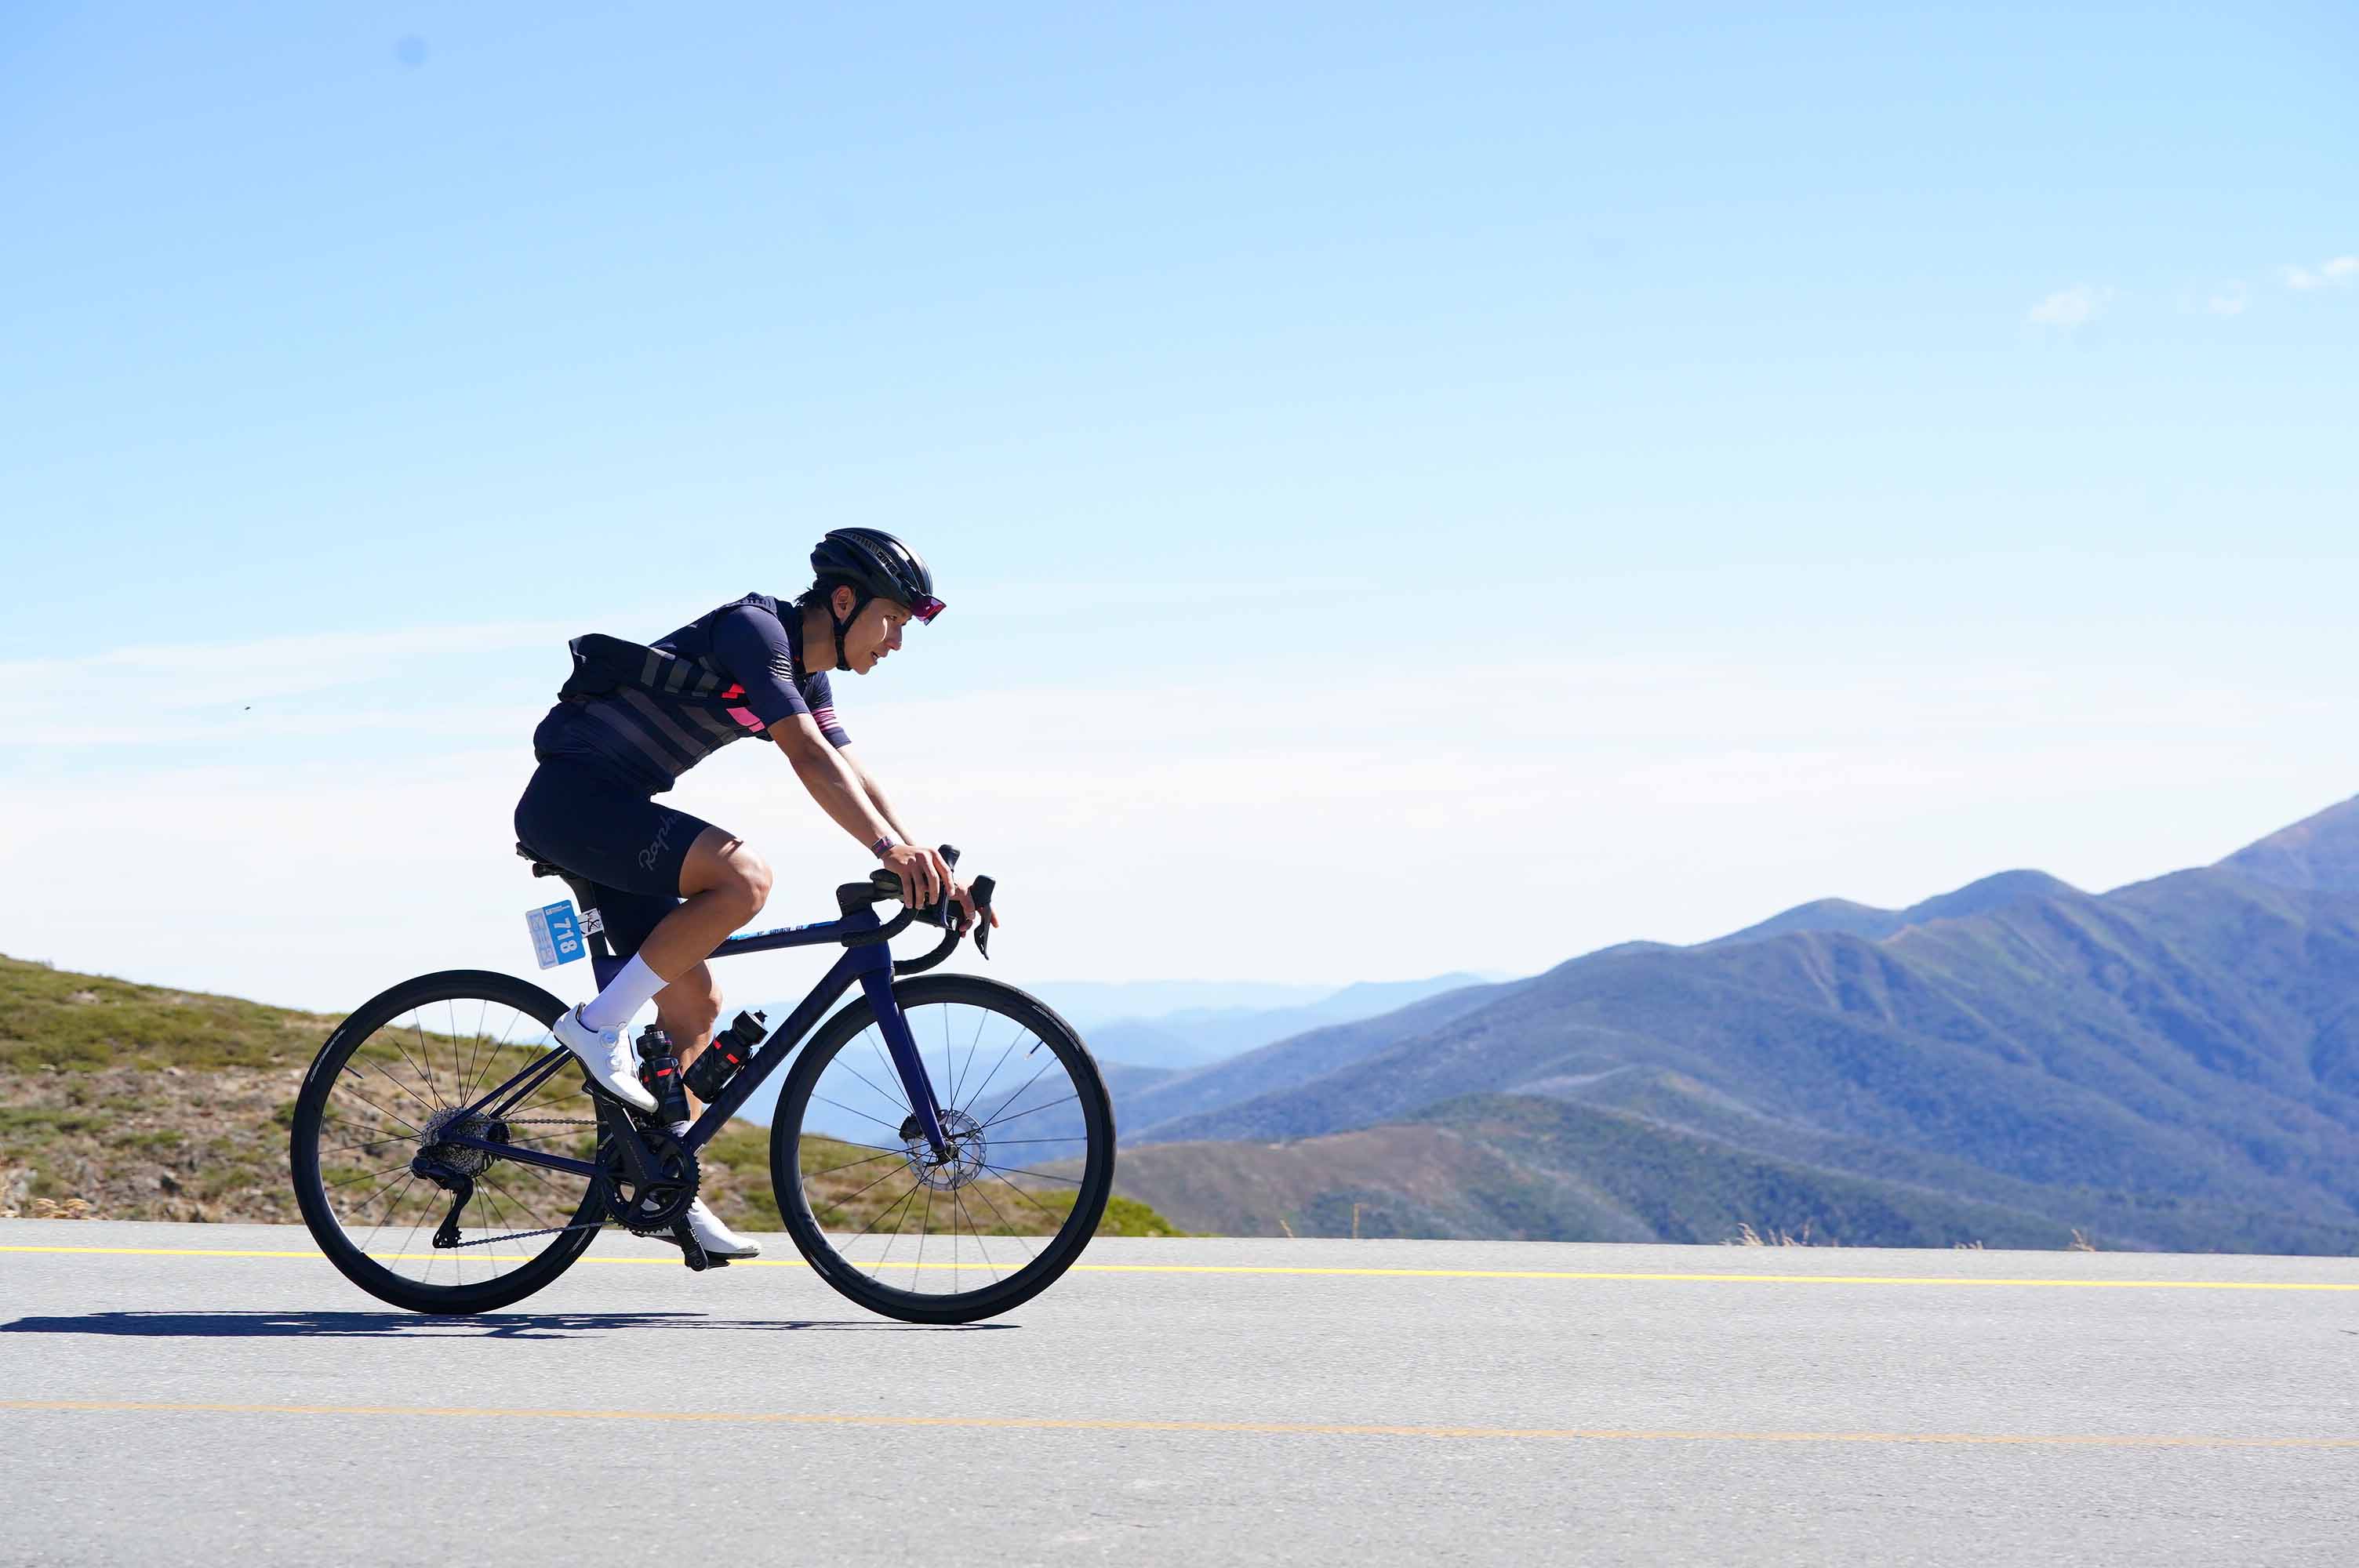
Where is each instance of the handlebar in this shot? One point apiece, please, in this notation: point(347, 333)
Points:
point(881, 885)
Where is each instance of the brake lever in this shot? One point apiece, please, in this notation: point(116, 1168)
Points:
point(981, 893)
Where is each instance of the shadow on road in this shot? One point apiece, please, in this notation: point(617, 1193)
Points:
point(416, 1326)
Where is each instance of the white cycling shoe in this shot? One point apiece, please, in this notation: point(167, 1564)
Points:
point(717, 1240)
point(612, 1064)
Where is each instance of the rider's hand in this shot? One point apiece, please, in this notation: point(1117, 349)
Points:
point(962, 892)
point(923, 875)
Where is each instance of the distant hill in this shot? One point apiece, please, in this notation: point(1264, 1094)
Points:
point(2176, 1061)
point(2320, 852)
point(1536, 1170)
point(1863, 920)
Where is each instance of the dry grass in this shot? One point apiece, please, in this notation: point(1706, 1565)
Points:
point(1775, 1237)
point(121, 1101)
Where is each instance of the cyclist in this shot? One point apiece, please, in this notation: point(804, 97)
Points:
point(671, 887)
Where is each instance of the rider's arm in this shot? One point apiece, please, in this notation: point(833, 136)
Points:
point(959, 887)
point(831, 781)
point(837, 787)
point(876, 794)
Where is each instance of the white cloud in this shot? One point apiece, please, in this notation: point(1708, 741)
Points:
point(2326, 274)
point(134, 685)
point(1340, 824)
point(2068, 310)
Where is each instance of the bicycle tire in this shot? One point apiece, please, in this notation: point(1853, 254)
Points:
point(1091, 1188)
point(556, 1253)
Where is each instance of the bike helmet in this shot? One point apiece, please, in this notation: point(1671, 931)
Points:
point(875, 565)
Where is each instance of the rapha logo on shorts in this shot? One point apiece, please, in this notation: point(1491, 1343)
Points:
point(662, 841)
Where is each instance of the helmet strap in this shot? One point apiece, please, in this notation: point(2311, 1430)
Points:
point(843, 624)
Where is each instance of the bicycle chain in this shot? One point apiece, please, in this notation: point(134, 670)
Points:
point(555, 1230)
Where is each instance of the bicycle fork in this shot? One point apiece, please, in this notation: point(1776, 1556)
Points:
point(876, 980)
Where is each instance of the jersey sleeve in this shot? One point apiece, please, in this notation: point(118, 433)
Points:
point(821, 697)
point(750, 644)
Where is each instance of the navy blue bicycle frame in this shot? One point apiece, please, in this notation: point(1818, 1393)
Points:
point(869, 965)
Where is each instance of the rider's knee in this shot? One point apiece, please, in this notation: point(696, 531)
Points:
point(749, 882)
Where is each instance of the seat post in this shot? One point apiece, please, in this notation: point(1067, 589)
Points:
point(603, 960)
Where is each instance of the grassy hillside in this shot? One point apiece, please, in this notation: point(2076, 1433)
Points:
point(124, 1101)
point(1527, 1169)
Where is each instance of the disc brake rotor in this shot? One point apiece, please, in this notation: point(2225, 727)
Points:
point(967, 1145)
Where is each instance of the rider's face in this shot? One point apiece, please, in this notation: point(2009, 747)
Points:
point(876, 634)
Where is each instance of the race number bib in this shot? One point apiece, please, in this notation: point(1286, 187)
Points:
point(556, 935)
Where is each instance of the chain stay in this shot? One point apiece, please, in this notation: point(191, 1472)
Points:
point(554, 1230)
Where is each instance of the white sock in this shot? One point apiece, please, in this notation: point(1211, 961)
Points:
point(633, 987)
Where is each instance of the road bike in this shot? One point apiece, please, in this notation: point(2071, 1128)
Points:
point(942, 1151)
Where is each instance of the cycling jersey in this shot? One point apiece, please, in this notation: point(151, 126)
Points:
point(647, 736)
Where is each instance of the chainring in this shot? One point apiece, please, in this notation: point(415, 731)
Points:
point(665, 1201)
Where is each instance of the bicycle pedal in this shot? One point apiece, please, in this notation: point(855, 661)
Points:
point(691, 1251)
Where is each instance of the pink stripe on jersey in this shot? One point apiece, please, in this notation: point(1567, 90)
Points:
point(745, 716)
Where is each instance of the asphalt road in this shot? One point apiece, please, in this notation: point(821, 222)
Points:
point(1197, 1401)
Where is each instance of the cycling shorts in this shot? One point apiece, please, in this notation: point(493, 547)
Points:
point(586, 821)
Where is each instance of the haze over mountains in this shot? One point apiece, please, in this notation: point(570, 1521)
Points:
point(1194, 1035)
point(2173, 1064)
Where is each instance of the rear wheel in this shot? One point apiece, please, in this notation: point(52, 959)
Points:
point(366, 1155)
point(1030, 1165)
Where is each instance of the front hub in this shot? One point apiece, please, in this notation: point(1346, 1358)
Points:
point(963, 1152)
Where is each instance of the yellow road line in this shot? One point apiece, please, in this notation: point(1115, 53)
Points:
point(1662, 1278)
point(1276, 1427)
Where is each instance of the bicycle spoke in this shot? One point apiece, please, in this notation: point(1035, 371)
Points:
point(860, 1114)
point(903, 1206)
point(343, 1088)
point(1034, 1112)
point(425, 1074)
point(1044, 1175)
point(880, 1155)
point(366, 1176)
point(995, 1070)
point(837, 1205)
point(925, 1222)
point(981, 1018)
point(856, 1072)
point(326, 1149)
point(1012, 1229)
point(1027, 1198)
point(1011, 1099)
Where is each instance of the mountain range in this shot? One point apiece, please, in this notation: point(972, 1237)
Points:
point(2173, 1064)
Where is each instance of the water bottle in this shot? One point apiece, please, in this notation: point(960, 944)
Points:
point(659, 1071)
point(730, 1051)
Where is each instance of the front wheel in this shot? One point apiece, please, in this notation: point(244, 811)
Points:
point(1029, 1167)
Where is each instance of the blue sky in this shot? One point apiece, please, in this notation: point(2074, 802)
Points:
point(1706, 460)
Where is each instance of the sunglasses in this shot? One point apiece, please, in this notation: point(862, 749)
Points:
point(925, 610)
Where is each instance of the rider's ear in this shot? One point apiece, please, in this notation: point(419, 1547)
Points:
point(843, 600)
